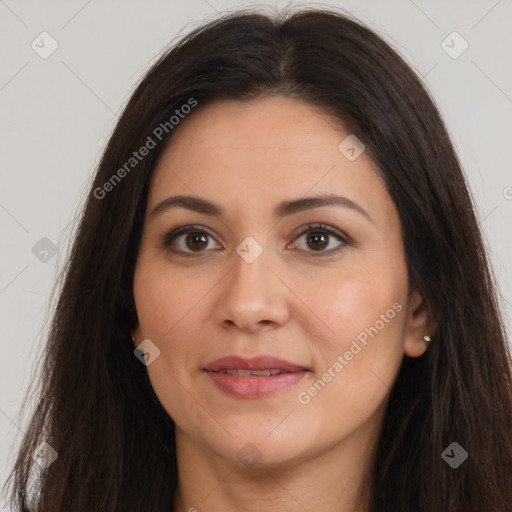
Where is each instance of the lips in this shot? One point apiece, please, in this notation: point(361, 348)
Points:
point(241, 372)
point(254, 364)
point(254, 377)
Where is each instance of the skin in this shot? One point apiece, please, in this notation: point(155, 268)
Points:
point(290, 302)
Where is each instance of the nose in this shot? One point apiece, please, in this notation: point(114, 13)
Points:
point(253, 297)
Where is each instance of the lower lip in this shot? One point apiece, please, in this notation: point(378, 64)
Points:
point(254, 387)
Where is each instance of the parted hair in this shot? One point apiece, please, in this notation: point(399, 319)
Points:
point(94, 402)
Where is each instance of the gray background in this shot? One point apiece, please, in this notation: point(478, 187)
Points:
point(57, 113)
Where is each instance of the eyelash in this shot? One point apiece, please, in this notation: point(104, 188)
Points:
point(168, 238)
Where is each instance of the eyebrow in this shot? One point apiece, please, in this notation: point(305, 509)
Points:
point(200, 205)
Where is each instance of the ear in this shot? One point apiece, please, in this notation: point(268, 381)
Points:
point(136, 336)
point(418, 325)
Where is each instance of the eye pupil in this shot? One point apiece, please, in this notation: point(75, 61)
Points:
point(196, 237)
point(317, 237)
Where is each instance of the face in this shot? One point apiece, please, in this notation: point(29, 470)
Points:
point(266, 272)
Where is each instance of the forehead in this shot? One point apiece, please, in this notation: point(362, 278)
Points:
point(261, 152)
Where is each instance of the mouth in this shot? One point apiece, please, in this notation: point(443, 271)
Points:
point(241, 372)
point(254, 377)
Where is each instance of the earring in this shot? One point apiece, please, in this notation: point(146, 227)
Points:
point(426, 339)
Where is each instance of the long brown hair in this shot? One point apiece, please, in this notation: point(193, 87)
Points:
point(96, 407)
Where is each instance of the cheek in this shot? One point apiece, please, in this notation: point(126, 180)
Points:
point(169, 307)
point(361, 349)
point(166, 300)
point(351, 301)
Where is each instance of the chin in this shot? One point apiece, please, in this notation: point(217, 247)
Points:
point(257, 449)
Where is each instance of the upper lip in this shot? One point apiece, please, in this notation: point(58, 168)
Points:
point(263, 362)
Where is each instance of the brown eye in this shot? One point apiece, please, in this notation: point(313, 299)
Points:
point(318, 238)
point(192, 240)
point(187, 240)
point(196, 240)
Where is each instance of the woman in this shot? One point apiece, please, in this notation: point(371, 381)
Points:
point(278, 296)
